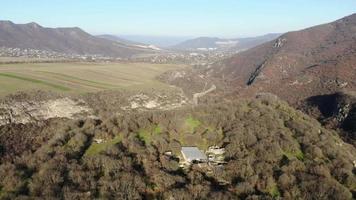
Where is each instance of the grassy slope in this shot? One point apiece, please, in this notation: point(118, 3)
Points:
point(35, 81)
point(95, 149)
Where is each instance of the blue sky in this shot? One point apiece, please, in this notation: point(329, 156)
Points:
point(223, 18)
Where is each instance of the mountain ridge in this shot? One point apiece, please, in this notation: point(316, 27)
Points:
point(71, 40)
point(312, 61)
point(118, 39)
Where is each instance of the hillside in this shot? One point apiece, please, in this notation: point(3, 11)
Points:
point(214, 43)
point(63, 40)
point(118, 39)
point(335, 111)
point(297, 65)
point(313, 69)
point(271, 151)
point(129, 42)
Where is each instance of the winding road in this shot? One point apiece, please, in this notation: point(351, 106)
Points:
point(196, 96)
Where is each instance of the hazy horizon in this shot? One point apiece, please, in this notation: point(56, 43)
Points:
point(225, 18)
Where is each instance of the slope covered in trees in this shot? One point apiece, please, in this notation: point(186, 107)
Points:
point(272, 151)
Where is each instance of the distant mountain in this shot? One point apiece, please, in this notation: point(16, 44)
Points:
point(159, 41)
point(129, 42)
point(214, 43)
point(118, 39)
point(64, 40)
point(315, 61)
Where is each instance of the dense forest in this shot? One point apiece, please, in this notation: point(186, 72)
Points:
point(272, 152)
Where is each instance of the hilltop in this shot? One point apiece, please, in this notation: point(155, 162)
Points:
point(272, 151)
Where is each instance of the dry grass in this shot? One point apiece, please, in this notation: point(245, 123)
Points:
point(81, 77)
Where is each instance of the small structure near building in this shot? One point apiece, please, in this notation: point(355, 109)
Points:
point(193, 154)
point(168, 153)
point(216, 155)
point(98, 141)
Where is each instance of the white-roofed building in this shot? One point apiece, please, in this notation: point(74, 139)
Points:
point(191, 154)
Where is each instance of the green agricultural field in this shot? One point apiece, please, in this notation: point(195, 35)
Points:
point(81, 77)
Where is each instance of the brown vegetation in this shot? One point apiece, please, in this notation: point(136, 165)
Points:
point(298, 65)
point(272, 151)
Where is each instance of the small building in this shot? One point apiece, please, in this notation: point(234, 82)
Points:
point(216, 150)
point(98, 140)
point(216, 155)
point(192, 154)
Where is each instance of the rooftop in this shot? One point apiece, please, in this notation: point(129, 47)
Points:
point(193, 154)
